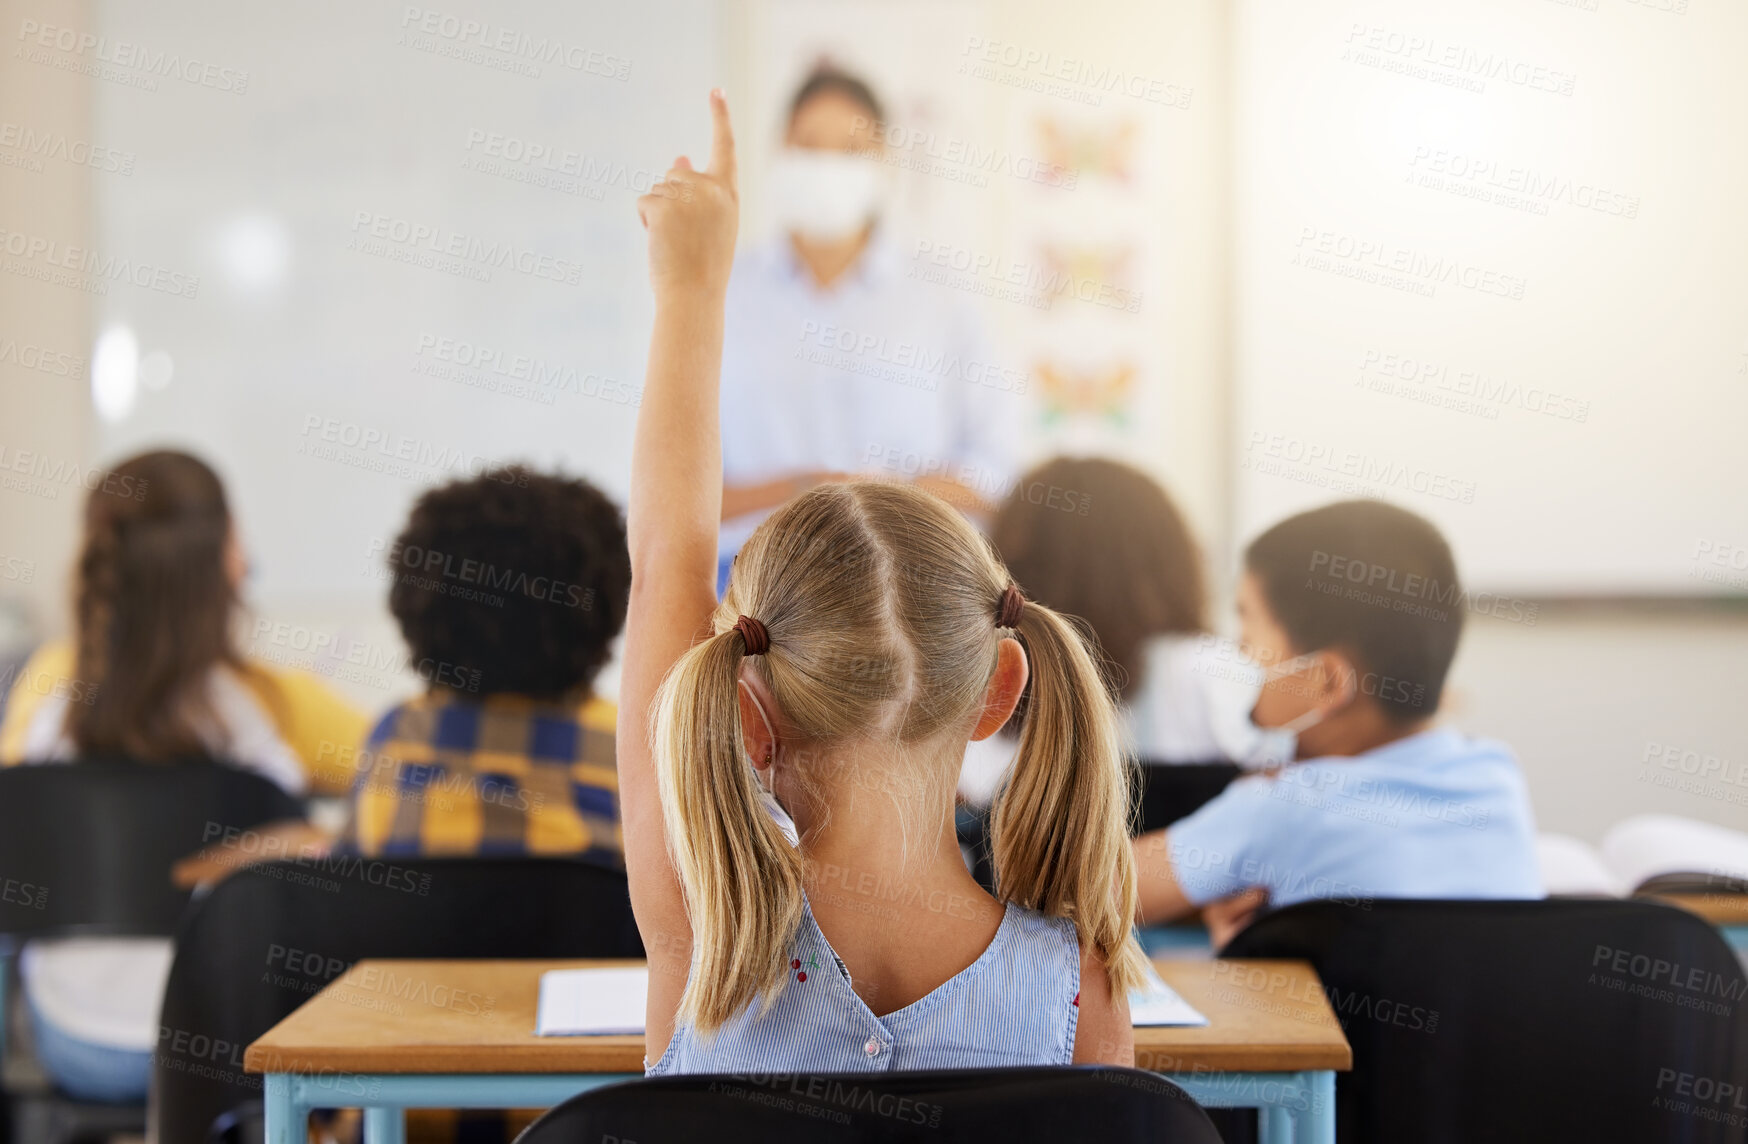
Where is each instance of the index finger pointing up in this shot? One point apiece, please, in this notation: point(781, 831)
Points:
point(722, 138)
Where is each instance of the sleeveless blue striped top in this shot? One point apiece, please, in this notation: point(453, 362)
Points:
point(1017, 1004)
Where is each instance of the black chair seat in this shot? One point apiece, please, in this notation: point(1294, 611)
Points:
point(957, 1106)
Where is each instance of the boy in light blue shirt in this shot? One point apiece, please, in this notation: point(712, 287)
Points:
point(1355, 610)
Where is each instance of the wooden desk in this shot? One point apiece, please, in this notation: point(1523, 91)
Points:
point(1729, 912)
point(450, 1017)
point(291, 838)
point(1720, 909)
point(389, 1035)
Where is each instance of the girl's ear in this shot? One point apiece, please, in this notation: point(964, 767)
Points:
point(758, 733)
point(1006, 686)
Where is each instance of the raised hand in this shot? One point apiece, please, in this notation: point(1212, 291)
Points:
point(692, 216)
point(671, 520)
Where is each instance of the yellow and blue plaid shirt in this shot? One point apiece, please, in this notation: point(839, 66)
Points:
point(446, 774)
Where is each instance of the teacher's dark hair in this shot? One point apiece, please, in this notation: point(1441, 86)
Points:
point(829, 79)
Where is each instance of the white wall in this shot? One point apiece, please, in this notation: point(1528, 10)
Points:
point(1491, 267)
point(1615, 712)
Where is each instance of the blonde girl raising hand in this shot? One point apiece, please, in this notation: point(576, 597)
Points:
point(788, 757)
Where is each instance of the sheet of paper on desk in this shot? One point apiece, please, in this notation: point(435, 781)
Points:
point(1157, 1003)
point(592, 1002)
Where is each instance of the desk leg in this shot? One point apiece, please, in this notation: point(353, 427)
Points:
point(1291, 1108)
point(5, 977)
point(1274, 1125)
point(1319, 1120)
point(385, 1125)
point(1307, 1121)
point(288, 1119)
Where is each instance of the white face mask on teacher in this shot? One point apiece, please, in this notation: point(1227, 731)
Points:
point(826, 195)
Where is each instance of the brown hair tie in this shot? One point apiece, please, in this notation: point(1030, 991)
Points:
point(753, 633)
point(1013, 603)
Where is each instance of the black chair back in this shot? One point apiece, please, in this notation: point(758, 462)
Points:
point(957, 1106)
point(1162, 793)
point(87, 847)
point(269, 937)
point(1525, 1021)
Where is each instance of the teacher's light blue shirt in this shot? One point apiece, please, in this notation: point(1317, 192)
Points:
point(1434, 815)
point(881, 373)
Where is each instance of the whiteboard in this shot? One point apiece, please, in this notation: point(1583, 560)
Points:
point(415, 244)
point(1492, 265)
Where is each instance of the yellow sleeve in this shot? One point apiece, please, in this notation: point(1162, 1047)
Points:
point(322, 729)
point(51, 664)
point(600, 715)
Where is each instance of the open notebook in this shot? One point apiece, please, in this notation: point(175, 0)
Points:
point(592, 1002)
point(605, 1002)
point(1649, 853)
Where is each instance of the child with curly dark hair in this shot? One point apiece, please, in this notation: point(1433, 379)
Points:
point(509, 589)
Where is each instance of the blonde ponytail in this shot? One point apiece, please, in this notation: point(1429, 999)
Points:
point(742, 878)
point(1061, 843)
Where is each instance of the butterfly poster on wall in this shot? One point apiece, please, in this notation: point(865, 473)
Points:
point(1102, 393)
point(1091, 246)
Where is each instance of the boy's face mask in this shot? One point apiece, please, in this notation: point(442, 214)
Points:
point(1281, 743)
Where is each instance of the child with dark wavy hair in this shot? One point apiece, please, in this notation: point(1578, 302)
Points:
point(509, 589)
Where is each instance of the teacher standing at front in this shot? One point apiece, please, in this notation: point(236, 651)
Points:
point(838, 363)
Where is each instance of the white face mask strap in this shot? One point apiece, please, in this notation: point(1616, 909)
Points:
point(754, 696)
point(1290, 666)
point(1303, 723)
point(766, 796)
point(1316, 715)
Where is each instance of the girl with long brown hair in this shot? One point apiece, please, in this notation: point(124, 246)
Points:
point(787, 757)
point(153, 676)
point(155, 603)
